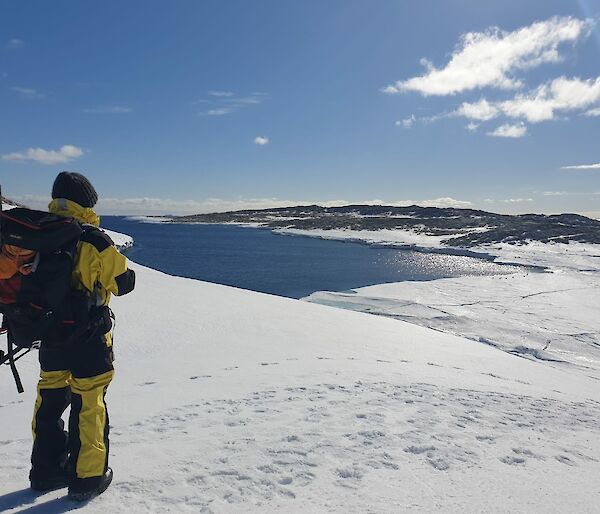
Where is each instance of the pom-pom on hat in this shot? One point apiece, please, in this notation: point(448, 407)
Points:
point(75, 187)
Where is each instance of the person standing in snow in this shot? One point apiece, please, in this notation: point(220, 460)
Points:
point(79, 374)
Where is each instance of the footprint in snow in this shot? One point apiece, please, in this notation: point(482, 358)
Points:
point(493, 375)
point(527, 453)
point(417, 450)
point(10, 403)
point(349, 473)
point(512, 461)
point(563, 459)
point(356, 423)
point(439, 464)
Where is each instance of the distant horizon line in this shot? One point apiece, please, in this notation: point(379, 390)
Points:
point(326, 205)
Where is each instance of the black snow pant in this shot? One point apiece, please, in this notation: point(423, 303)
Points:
point(77, 375)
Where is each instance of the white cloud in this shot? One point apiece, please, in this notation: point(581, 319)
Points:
point(261, 140)
point(243, 101)
point(437, 117)
point(28, 93)
point(472, 127)
point(480, 111)
point(592, 112)
point(225, 102)
point(591, 214)
point(490, 58)
point(171, 206)
point(445, 202)
point(508, 130)
point(595, 166)
point(13, 44)
point(518, 200)
point(406, 122)
point(219, 111)
point(66, 153)
point(562, 94)
point(540, 104)
point(554, 193)
point(442, 202)
point(108, 109)
point(220, 93)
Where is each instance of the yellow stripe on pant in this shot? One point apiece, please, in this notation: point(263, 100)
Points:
point(92, 423)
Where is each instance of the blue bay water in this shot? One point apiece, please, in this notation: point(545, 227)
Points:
point(260, 260)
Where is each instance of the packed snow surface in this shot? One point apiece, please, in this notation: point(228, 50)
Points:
point(227, 400)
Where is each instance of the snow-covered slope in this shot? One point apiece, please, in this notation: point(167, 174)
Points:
point(232, 401)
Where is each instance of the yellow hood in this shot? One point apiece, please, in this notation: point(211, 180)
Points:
point(67, 208)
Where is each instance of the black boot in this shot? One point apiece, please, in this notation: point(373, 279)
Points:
point(49, 481)
point(87, 488)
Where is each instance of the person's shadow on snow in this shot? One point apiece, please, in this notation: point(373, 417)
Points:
point(25, 501)
point(17, 499)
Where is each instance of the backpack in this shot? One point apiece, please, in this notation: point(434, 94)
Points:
point(38, 304)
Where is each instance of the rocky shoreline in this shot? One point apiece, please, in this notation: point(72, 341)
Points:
point(457, 227)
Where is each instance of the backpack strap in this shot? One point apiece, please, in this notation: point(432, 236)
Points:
point(12, 356)
point(11, 362)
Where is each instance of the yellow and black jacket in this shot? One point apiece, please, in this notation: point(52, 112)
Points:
point(99, 267)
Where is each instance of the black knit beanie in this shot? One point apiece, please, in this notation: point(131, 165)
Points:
point(75, 187)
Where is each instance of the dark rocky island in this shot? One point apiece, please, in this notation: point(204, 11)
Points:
point(464, 227)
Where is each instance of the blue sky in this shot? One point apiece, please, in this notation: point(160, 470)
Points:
point(188, 106)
